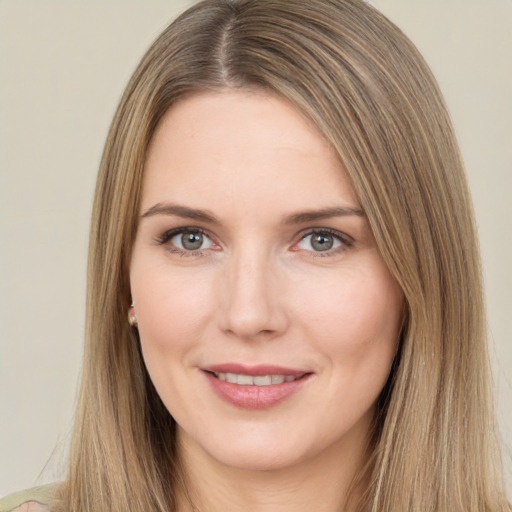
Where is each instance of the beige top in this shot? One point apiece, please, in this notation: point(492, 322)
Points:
point(37, 499)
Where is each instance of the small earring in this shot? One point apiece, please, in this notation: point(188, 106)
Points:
point(132, 319)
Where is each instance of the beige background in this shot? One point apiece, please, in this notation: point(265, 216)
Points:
point(63, 65)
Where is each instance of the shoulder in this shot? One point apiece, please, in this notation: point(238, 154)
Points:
point(36, 499)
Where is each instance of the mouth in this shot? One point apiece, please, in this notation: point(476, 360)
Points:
point(255, 387)
point(255, 380)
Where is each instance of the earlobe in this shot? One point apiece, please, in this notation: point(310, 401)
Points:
point(132, 319)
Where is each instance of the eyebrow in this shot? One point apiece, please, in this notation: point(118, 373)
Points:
point(295, 218)
point(324, 213)
point(180, 211)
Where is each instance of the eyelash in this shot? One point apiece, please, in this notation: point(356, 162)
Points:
point(168, 235)
point(345, 241)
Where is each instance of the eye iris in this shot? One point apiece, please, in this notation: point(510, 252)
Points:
point(192, 241)
point(322, 242)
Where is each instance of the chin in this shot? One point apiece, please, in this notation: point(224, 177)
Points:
point(260, 459)
point(252, 451)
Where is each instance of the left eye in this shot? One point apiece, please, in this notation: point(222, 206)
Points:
point(191, 241)
point(320, 241)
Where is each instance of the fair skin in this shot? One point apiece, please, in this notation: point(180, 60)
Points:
point(253, 258)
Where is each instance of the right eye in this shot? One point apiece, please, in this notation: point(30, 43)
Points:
point(186, 240)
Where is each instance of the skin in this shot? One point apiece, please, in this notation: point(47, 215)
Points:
point(259, 292)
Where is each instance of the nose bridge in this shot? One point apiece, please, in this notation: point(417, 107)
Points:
point(251, 305)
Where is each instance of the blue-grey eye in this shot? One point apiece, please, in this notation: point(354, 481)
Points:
point(320, 242)
point(191, 241)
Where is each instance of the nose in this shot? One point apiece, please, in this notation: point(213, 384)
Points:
point(251, 303)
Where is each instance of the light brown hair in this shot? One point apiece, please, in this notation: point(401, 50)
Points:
point(367, 89)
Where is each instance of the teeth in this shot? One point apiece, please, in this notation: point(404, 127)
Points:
point(259, 380)
point(263, 380)
point(245, 380)
point(231, 377)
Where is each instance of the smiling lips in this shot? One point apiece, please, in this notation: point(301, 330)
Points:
point(258, 387)
point(254, 380)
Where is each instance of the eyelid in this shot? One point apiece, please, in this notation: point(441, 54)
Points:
point(168, 235)
point(346, 241)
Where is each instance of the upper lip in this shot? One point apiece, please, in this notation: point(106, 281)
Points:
point(254, 370)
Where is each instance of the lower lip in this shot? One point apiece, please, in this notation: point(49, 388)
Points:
point(255, 397)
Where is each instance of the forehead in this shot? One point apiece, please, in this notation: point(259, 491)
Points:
point(248, 146)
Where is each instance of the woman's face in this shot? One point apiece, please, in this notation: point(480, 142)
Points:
point(267, 317)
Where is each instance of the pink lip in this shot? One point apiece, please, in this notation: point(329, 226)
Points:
point(255, 397)
point(257, 370)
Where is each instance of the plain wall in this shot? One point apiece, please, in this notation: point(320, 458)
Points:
point(63, 66)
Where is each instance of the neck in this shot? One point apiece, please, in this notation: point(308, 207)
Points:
point(329, 482)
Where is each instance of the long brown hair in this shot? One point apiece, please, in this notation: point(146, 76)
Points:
point(367, 89)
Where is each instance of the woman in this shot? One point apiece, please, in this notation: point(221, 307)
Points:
point(281, 211)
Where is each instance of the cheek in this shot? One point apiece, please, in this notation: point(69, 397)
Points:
point(356, 319)
point(171, 307)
